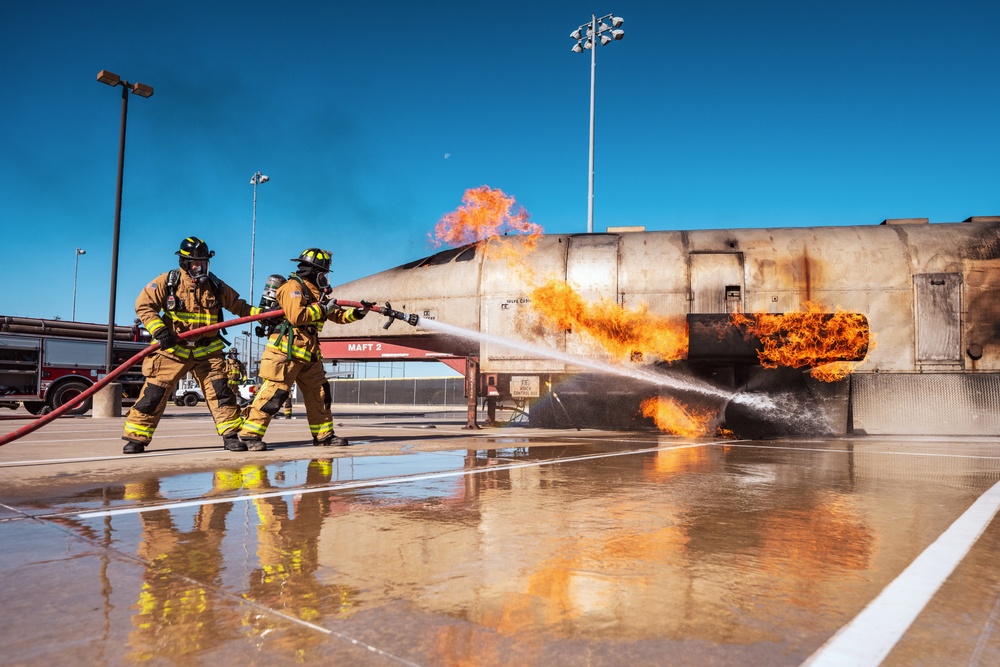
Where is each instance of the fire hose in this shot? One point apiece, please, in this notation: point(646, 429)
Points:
point(145, 352)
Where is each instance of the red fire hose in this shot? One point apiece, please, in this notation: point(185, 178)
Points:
point(90, 391)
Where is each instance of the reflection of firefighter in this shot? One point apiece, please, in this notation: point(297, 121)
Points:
point(175, 302)
point(292, 355)
point(178, 613)
point(288, 554)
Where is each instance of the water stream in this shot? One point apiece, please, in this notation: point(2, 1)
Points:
point(665, 379)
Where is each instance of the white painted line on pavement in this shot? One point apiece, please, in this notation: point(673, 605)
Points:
point(867, 452)
point(111, 457)
point(873, 633)
point(382, 481)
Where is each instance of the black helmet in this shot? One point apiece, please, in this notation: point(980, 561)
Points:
point(314, 258)
point(233, 353)
point(194, 248)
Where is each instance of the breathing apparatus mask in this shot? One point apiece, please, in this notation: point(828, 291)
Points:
point(314, 266)
point(194, 255)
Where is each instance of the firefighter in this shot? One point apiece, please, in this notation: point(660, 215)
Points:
point(286, 408)
point(175, 302)
point(236, 372)
point(292, 355)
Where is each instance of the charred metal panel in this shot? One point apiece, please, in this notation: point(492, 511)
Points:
point(716, 282)
point(937, 310)
point(653, 271)
point(506, 310)
point(592, 271)
point(925, 403)
point(592, 266)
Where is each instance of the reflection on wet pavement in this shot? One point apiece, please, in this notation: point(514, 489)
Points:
point(702, 553)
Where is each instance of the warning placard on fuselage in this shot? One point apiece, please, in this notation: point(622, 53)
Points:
point(524, 386)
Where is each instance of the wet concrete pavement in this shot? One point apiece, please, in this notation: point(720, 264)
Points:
point(423, 543)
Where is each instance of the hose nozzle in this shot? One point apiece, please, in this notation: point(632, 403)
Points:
point(397, 315)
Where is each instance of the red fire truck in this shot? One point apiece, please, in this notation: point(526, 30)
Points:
point(45, 363)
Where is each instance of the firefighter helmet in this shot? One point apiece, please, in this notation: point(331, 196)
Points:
point(314, 258)
point(233, 353)
point(194, 248)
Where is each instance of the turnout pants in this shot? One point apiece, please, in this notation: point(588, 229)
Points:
point(162, 372)
point(279, 375)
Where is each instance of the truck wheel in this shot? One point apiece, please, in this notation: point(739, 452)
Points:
point(66, 392)
point(190, 400)
point(178, 402)
point(34, 407)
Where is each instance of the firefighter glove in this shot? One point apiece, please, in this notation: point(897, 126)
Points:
point(328, 307)
point(165, 338)
point(363, 310)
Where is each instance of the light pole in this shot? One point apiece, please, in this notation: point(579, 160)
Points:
point(142, 90)
point(255, 180)
point(585, 36)
point(76, 265)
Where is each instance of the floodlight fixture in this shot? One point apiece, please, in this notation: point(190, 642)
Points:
point(142, 90)
point(608, 33)
point(110, 78)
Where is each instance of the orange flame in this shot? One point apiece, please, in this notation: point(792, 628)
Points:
point(829, 343)
point(484, 212)
point(626, 334)
point(671, 416)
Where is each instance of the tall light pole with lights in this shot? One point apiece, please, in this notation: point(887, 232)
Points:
point(142, 90)
point(586, 37)
point(76, 265)
point(255, 180)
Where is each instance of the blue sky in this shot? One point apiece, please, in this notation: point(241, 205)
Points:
point(372, 120)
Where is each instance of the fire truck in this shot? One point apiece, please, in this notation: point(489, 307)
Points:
point(46, 363)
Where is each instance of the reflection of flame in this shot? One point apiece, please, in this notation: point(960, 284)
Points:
point(484, 212)
point(826, 342)
point(672, 417)
point(626, 334)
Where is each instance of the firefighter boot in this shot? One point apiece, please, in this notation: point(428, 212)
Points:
point(133, 446)
point(254, 444)
point(232, 443)
point(332, 441)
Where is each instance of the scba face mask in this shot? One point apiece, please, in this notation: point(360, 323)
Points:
point(197, 269)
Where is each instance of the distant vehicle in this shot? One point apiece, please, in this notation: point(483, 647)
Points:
point(188, 393)
point(47, 363)
point(248, 389)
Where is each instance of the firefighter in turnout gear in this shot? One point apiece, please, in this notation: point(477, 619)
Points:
point(236, 371)
point(175, 302)
point(292, 355)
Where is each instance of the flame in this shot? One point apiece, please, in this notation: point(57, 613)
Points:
point(625, 333)
point(671, 416)
point(829, 343)
point(484, 212)
point(488, 213)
